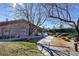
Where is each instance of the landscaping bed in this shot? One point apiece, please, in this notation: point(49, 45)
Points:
point(65, 36)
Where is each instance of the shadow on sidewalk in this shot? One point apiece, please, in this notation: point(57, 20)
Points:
point(52, 51)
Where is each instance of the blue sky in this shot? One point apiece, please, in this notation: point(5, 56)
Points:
point(5, 12)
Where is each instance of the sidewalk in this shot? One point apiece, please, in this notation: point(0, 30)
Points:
point(44, 46)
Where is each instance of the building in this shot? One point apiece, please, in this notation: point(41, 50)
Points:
point(19, 27)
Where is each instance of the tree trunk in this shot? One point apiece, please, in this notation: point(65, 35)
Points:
point(77, 39)
point(29, 28)
point(76, 47)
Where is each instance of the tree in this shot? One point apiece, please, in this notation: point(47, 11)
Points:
point(34, 13)
point(54, 27)
point(61, 12)
point(61, 26)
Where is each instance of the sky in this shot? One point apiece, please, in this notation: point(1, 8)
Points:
point(5, 11)
point(6, 8)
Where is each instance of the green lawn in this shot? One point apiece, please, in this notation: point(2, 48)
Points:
point(19, 49)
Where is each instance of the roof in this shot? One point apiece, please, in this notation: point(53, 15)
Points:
point(15, 22)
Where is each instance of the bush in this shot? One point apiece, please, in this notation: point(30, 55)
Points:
point(58, 34)
point(66, 39)
point(64, 34)
point(55, 36)
point(69, 37)
point(49, 33)
point(6, 37)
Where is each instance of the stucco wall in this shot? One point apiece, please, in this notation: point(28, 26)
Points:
point(20, 29)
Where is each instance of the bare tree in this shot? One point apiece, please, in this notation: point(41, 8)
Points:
point(34, 13)
point(61, 12)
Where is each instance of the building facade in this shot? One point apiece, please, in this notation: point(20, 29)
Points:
point(16, 28)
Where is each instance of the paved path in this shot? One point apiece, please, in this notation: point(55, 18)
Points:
point(46, 49)
point(43, 41)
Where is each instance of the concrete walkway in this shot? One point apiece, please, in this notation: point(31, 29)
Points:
point(44, 45)
point(44, 41)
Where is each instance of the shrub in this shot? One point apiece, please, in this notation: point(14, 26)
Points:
point(57, 34)
point(66, 39)
point(64, 34)
point(49, 33)
point(69, 37)
point(6, 37)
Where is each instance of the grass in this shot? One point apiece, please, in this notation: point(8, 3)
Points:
point(19, 49)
